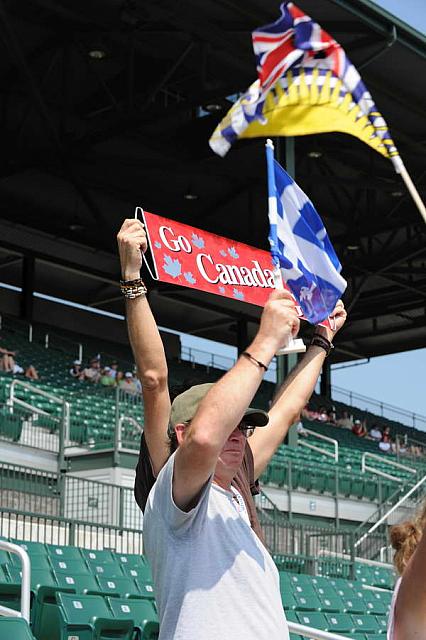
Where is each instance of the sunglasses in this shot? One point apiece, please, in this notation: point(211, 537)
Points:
point(246, 429)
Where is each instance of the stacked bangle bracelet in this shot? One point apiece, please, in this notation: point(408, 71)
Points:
point(133, 288)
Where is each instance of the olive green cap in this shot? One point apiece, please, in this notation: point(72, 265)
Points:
point(185, 405)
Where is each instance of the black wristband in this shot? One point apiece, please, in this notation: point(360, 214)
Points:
point(256, 362)
point(319, 341)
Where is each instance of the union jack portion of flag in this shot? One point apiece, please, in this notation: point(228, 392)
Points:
point(306, 84)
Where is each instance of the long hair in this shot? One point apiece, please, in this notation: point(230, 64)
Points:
point(405, 537)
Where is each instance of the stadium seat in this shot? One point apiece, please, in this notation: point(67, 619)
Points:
point(69, 566)
point(307, 601)
point(339, 623)
point(32, 548)
point(141, 612)
point(106, 569)
point(83, 583)
point(63, 552)
point(119, 587)
point(15, 628)
point(130, 560)
point(88, 618)
point(101, 557)
point(309, 619)
point(287, 599)
point(366, 623)
point(353, 604)
point(330, 602)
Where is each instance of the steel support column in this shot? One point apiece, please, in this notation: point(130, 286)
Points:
point(27, 297)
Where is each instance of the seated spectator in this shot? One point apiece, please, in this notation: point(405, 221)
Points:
point(113, 369)
point(76, 371)
point(128, 383)
point(346, 421)
point(375, 433)
point(385, 443)
point(106, 379)
point(332, 415)
point(31, 373)
point(309, 414)
point(92, 373)
point(8, 363)
point(322, 414)
point(359, 429)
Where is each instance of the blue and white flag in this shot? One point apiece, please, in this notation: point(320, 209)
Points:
point(300, 245)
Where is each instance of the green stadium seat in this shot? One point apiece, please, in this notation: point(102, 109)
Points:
point(119, 587)
point(141, 612)
point(130, 560)
point(107, 569)
point(77, 566)
point(382, 623)
point(287, 599)
point(63, 552)
point(330, 602)
point(16, 628)
point(309, 619)
point(84, 583)
point(39, 562)
point(366, 623)
point(307, 601)
point(142, 573)
point(89, 618)
point(339, 623)
point(375, 606)
point(32, 548)
point(354, 604)
point(103, 556)
point(146, 588)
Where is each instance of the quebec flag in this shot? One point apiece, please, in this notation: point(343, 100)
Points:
point(300, 245)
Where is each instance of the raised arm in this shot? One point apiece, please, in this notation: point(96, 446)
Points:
point(147, 346)
point(222, 409)
point(293, 395)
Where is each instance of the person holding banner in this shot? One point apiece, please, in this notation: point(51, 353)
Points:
point(213, 576)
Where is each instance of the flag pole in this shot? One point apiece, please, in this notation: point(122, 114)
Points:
point(294, 345)
point(400, 168)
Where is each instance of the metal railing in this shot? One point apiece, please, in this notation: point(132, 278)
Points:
point(313, 634)
point(383, 409)
point(385, 517)
point(365, 467)
point(320, 436)
point(56, 494)
point(25, 582)
point(44, 429)
point(127, 441)
point(69, 531)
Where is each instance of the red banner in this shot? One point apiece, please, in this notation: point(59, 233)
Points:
point(205, 261)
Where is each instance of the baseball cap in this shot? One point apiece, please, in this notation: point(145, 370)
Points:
point(77, 362)
point(128, 374)
point(185, 405)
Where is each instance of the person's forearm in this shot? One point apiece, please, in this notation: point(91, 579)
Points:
point(300, 383)
point(146, 343)
point(223, 407)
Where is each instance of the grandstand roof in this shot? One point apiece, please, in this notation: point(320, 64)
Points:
point(101, 111)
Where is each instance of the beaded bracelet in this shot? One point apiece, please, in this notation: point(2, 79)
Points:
point(132, 289)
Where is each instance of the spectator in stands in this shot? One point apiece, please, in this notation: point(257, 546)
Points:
point(359, 429)
point(114, 369)
point(375, 433)
point(184, 504)
point(92, 373)
point(385, 443)
point(8, 363)
point(76, 371)
point(106, 379)
point(407, 617)
point(31, 373)
point(309, 414)
point(346, 421)
point(322, 414)
point(331, 419)
point(128, 383)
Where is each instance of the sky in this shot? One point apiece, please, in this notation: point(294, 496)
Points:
point(413, 12)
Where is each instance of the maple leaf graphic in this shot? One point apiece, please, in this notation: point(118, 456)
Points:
point(233, 253)
point(157, 244)
point(189, 277)
point(197, 241)
point(172, 267)
point(239, 295)
point(222, 289)
point(223, 253)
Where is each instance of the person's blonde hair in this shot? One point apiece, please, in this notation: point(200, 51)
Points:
point(405, 537)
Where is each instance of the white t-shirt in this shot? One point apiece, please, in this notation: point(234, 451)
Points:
point(213, 577)
point(391, 619)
